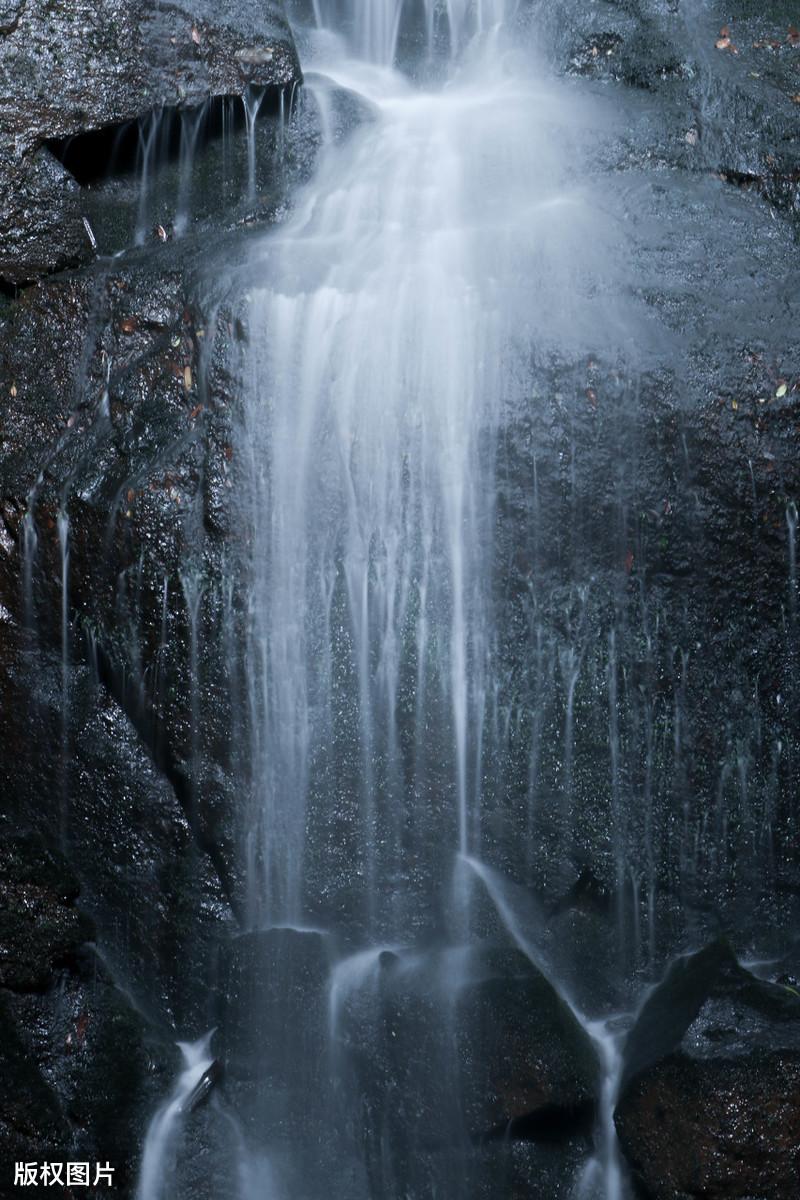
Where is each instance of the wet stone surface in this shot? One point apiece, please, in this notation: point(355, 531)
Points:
point(709, 1097)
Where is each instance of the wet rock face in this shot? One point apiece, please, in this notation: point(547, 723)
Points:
point(102, 889)
point(503, 1042)
point(524, 1058)
point(65, 71)
point(725, 74)
point(42, 225)
point(104, 417)
point(40, 926)
point(709, 1104)
point(135, 453)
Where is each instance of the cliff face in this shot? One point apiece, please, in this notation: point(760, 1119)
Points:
point(122, 600)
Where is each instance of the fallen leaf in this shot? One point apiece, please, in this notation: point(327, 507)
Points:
point(796, 98)
point(187, 378)
point(195, 35)
point(781, 390)
point(129, 324)
point(13, 390)
point(198, 408)
point(161, 232)
point(131, 495)
point(734, 404)
point(723, 43)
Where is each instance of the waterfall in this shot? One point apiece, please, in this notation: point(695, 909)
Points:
point(393, 322)
point(372, 26)
point(399, 323)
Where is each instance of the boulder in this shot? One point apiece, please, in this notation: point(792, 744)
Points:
point(710, 1096)
point(449, 1050)
point(524, 1057)
point(68, 70)
point(42, 222)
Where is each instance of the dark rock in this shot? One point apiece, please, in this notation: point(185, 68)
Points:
point(524, 1057)
point(32, 1124)
point(99, 64)
point(205, 1085)
point(42, 222)
point(95, 67)
point(87, 1068)
point(153, 892)
point(521, 1170)
point(129, 432)
point(488, 1028)
point(709, 1103)
point(41, 928)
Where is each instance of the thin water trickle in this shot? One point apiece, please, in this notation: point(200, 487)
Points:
point(252, 99)
point(30, 543)
point(603, 1177)
point(62, 523)
point(791, 529)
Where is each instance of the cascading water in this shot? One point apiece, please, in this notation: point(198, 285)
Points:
point(440, 254)
point(405, 301)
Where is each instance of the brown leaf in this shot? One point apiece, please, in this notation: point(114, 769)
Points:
point(129, 324)
point(198, 408)
point(187, 378)
point(195, 35)
point(723, 43)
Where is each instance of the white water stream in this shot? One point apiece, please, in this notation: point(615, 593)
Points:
point(447, 245)
point(162, 1133)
